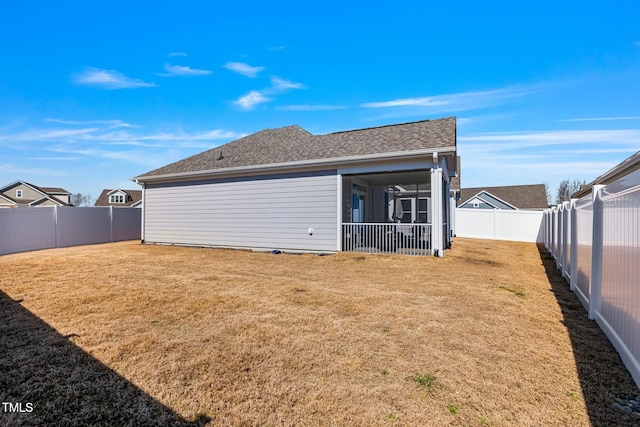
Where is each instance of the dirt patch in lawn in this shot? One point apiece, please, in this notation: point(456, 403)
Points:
point(159, 335)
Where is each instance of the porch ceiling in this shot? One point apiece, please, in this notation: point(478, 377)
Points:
point(397, 178)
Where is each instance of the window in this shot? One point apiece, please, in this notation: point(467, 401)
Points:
point(406, 211)
point(116, 198)
point(18, 194)
point(423, 208)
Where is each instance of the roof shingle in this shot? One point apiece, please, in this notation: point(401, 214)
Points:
point(521, 196)
point(292, 143)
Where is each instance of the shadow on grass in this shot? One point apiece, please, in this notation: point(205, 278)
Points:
point(63, 384)
point(603, 377)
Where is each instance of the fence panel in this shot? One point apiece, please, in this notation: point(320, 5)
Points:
point(126, 224)
point(519, 226)
point(78, 226)
point(584, 226)
point(27, 229)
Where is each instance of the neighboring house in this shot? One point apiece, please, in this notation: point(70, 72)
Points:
point(20, 194)
point(122, 198)
point(288, 189)
point(512, 197)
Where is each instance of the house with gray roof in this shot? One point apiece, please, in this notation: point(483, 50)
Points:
point(289, 190)
point(511, 197)
point(19, 194)
point(120, 198)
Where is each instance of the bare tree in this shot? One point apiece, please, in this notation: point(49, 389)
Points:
point(567, 188)
point(547, 193)
point(80, 199)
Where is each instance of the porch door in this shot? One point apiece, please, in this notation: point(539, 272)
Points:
point(357, 211)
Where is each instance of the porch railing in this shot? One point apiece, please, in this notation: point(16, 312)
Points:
point(389, 238)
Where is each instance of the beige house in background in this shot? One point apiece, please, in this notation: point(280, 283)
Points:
point(20, 194)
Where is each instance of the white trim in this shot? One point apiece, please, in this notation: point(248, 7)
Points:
point(279, 167)
point(8, 200)
point(57, 203)
point(489, 203)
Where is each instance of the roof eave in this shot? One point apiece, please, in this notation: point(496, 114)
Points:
point(623, 168)
point(274, 167)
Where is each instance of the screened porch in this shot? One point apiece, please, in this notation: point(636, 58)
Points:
point(392, 212)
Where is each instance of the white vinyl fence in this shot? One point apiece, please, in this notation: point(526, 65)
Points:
point(28, 229)
point(596, 244)
point(496, 224)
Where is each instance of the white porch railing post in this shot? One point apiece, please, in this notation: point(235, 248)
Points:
point(573, 256)
point(436, 209)
point(596, 252)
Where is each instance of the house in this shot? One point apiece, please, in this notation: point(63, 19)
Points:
point(288, 189)
point(20, 194)
point(120, 198)
point(512, 197)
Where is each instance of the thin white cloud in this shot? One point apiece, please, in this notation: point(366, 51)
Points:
point(35, 135)
point(108, 79)
point(519, 140)
point(177, 54)
point(458, 101)
point(279, 84)
point(256, 97)
point(307, 107)
point(250, 100)
point(55, 158)
point(179, 70)
point(276, 49)
point(600, 119)
point(21, 171)
point(110, 123)
point(243, 68)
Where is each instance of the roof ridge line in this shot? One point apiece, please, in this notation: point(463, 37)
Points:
point(389, 125)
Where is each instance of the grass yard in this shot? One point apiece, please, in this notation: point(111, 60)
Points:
point(130, 334)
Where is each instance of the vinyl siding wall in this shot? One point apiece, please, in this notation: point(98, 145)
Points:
point(260, 212)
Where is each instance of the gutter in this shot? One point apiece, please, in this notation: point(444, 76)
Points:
point(279, 167)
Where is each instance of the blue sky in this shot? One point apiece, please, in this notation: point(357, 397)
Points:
point(92, 94)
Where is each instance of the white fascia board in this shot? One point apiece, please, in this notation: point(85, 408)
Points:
point(8, 200)
point(47, 197)
point(302, 164)
point(116, 190)
point(498, 198)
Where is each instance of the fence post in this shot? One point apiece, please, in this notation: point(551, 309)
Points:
point(55, 226)
point(596, 252)
point(566, 223)
point(111, 223)
point(573, 256)
point(559, 215)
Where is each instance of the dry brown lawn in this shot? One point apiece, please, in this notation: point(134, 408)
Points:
point(136, 334)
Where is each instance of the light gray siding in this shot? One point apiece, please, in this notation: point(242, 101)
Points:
point(259, 212)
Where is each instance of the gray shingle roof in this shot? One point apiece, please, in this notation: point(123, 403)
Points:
point(292, 143)
point(521, 196)
point(134, 196)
